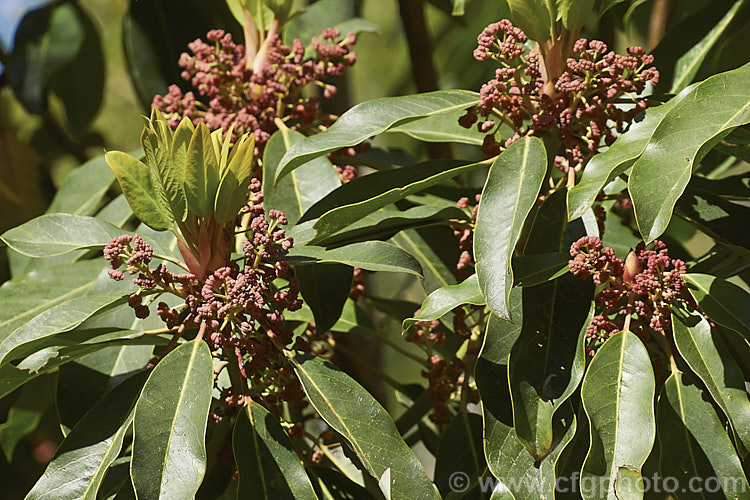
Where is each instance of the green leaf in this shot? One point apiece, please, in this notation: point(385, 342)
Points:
point(533, 17)
point(575, 13)
point(437, 273)
point(201, 173)
point(710, 358)
point(662, 172)
point(167, 175)
point(364, 195)
point(372, 118)
point(368, 429)
point(26, 413)
point(720, 219)
point(617, 159)
point(368, 255)
point(531, 270)
point(325, 288)
point(441, 128)
point(695, 447)
point(458, 7)
point(62, 317)
point(301, 189)
point(56, 234)
point(169, 427)
point(689, 63)
point(83, 189)
point(508, 196)
point(232, 191)
point(606, 5)
point(725, 303)
point(618, 396)
point(548, 358)
point(445, 299)
point(268, 465)
point(82, 461)
point(460, 451)
point(135, 180)
point(46, 40)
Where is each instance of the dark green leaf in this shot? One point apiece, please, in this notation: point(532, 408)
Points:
point(460, 451)
point(82, 461)
point(368, 255)
point(372, 118)
point(511, 190)
point(723, 302)
point(447, 298)
point(368, 429)
point(618, 396)
point(437, 273)
point(301, 189)
point(268, 465)
point(56, 234)
point(26, 413)
point(169, 427)
point(662, 172)
point(720, 219)
point(531, 270)
point(325, 288)
point(695, 446)
point(135, 180)
point(710, 358)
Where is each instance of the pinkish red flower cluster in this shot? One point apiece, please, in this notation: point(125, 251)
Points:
point(635, 294)
point(581, 103)
point(251, 98)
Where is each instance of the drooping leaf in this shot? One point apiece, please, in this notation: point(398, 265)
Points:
point(509, 194)
point(268, 465)
point(695, 447)
point(617, 159)
point(81, 463)
point(437, 273)
point(63, 317)
point(368, 255)
point(445, 299)
point(547, 360)
point(723, 302)
point(135, 180)
point(56, 234)
point(169, 426)
point(662, 172)
point(301, 189)
point(368, 429)
point(201, 173)
point(372, 118)
point(618, 396)
point(325, 288)
point(710, 358)
point(689, 63)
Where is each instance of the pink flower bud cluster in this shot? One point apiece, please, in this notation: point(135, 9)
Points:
point(582, 103)
point(642, 288)
point(465, 235)
point(251, 99)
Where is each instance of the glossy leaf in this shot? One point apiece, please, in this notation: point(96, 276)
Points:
point(547, 360)
point(689, 63)
point(617, 159)
point(63, 317)
point(618, 395)
point(201, 173)
point(372, 118)
point(267, 463)
point(301, 189)
point(509, 194)
point(368, 255)
point(325, 288)
point(82, 461)
point(531, 270)
point(710, 358)
point(56, 234)
point(137, 185)
point(437, 273)
point(441, 128)
point(695, 447)
point(445, 299)
point(662, 172)
point(368, 429)
point(724, 302)
point(362, 196)
point(169, 427)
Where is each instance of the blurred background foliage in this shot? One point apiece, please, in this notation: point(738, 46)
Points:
point(76, 77)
